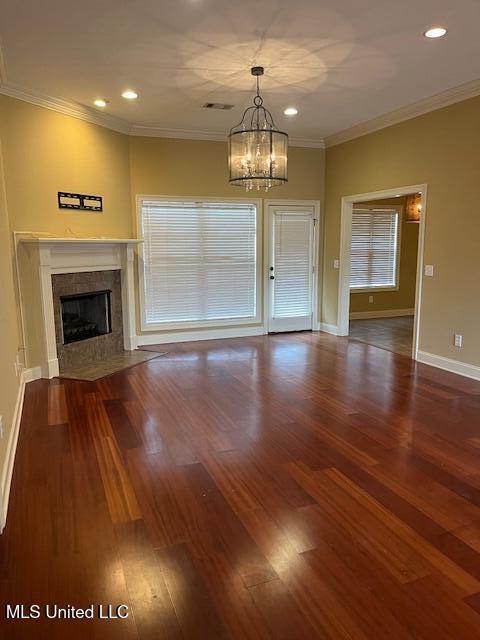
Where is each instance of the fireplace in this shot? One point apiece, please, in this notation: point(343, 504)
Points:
point(86, 315)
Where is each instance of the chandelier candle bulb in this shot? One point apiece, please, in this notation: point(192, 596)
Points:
point(257, 149)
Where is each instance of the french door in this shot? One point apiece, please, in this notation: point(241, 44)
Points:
point(291, 266)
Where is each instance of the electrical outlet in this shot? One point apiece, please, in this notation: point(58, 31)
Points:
point(370, 299)
point(429, 270)
point(336, 264)
point(457, 340)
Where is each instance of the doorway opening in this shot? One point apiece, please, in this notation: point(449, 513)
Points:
point(381, 264)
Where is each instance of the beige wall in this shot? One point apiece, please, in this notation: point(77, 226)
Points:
point(46, 152)
point(161, 166)
point(9, 382)
point(404, 296)
point(172, 167)
point(441, 149)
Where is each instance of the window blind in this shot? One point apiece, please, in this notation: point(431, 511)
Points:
point(293, 265)
point(199, 261)
point(374, 249)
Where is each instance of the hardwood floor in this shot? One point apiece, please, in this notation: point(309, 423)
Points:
point(393, 334)
point(288, 487)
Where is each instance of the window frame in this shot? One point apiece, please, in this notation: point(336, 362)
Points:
point(399, 210)
point(200, 324)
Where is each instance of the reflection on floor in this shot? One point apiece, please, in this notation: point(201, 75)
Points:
point(287, 487)
point(393, 334)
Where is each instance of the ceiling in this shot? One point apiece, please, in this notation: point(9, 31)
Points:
point(340, 62)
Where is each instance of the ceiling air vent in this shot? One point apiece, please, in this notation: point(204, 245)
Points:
point(218, 105)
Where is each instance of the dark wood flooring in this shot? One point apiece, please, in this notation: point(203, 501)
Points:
point(289, 487)
point(394, 334)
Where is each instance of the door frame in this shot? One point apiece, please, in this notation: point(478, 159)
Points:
point(317, 244)
point(343, 312)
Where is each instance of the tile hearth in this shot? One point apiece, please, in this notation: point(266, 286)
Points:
point(108, 366)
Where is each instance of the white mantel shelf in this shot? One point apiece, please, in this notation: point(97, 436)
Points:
point(54, 240)
point(48, 255)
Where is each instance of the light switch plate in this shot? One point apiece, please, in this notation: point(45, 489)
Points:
point(336, 264)
point(457, 340)
point(429, 270)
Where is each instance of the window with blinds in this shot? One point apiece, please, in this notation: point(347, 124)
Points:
point(374, 249)
point(199, 262)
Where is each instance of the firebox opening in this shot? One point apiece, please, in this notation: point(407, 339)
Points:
point(86, 315)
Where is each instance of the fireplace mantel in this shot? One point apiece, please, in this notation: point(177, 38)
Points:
point(38, 258)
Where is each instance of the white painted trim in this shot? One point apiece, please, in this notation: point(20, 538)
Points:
point(89, 114)
point(447, 364)
point(7, 470)
point(154, 131)
point(343, 311)
point(438, 101)
point(201, 334)
point(317, 254)
point(35, 373)
point(67, 107)
point(204, 324)
point(329, 328)
point(383, 313)
point(82, 112)
point(181, 134)
point(74, 255)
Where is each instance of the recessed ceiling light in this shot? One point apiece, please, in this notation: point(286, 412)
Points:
point(435, 32)
point(290, 111)
point(129, 94)
point(100, 102)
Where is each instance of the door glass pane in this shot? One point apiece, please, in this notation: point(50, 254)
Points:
point(293, 265)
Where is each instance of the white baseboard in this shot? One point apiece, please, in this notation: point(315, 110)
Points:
point(200, 334)
point(7, 471)
point(329, 328)
point(447, 364)
point(35, 373)
point(386, 313)
point(130, 343)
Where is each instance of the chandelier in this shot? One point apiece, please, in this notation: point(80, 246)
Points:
point(257, 150)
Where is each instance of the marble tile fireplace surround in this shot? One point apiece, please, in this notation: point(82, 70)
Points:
point(53, 271)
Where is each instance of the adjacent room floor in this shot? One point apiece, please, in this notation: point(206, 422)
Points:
point(287, 487)
point(394, 334)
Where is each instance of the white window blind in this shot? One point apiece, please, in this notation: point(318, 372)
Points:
point(374, 249)
point(199, 261)
point(293, 265)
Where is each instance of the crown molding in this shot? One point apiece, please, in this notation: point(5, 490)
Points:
point(438, 101)
point(81, 112)
point(181, 134)
point(307, 142)
point(66, 107)
point(192, 134)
